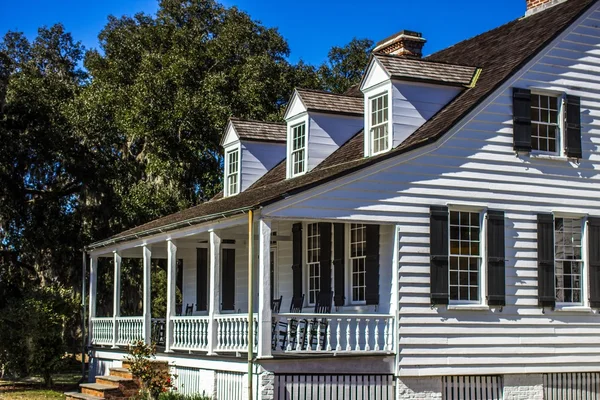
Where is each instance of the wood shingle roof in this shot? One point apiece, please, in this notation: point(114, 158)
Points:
point(427, 70)
point(317, 100)
point(259, 130)
point(500, 53)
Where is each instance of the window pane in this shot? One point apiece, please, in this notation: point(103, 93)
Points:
point(464, 255)
point(545, 118)
point(357, 247)
point(568, 261)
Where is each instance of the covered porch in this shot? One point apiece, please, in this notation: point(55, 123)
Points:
point(314, 287)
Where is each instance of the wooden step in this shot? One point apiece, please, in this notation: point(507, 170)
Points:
point(120, 372)
point(155, 364)
point(102, 391)
point(127, 386)
point(115, 381)
point(80, 396)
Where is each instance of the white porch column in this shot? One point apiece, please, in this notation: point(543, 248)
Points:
point(93, 295)
point(147, 313)
point(214, 304)
point(171, 291)
point(264, 288)
point(116, 296)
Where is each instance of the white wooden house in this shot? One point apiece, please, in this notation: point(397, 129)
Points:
point(438, 228)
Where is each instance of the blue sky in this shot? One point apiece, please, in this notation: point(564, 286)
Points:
point(311, 27)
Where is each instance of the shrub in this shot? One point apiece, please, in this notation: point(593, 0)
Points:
point(154, 379)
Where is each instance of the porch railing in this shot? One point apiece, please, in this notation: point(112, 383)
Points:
point(102, 331)
point(129, 329)
point(291, 333)
point(190, 333)
point(333, 333)
point(232, 332)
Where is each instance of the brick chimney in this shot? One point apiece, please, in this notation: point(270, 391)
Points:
point(535, 6)
point(403, 44)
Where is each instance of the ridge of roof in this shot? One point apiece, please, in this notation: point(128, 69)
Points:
point(257, 121)
point(497, 69)
point(325, 92)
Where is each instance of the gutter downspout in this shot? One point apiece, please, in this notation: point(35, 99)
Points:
point(250, 302)
point(83, 337)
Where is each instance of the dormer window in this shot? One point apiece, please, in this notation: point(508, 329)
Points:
point(298, 149)
point(379, 130)
point(232, 169)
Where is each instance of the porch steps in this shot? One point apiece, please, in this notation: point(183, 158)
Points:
point(119, 384)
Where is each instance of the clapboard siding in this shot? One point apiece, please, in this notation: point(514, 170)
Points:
point(477, 166)
point(326, 133)
point(413, 104)
point(257, 158)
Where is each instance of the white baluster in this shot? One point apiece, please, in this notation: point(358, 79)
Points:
point(348, 347)
point(298, 339)
point(328, 348)
point(288, 346)
point(338, 335)
point(219, 333)
point(309, 327)
point(357, 347)
point(377, 334)
point(318, 333)
point(245, 327)
point(367, 347)
point(390, 334)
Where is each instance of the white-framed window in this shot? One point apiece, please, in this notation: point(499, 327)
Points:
point(378, 123)
point(232, 167)
point(298, 149)
point(313, 254)
point(465, 256)
point(546, 122)
point(568, 260)
point(357, 262)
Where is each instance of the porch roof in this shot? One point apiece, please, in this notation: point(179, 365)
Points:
point(500, 53)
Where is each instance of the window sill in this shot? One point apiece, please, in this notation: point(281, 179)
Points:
point(577, 309)
point(552, 157)
point(468, 307)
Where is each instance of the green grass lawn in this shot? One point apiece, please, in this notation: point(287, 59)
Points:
point(33, 388)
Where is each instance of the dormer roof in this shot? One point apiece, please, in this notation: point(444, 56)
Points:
point(327, 102)
point(494, 51)
point(410, 69)
point(258, 131)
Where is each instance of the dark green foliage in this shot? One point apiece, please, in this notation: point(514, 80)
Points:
point(87, 153)
point(346, 65)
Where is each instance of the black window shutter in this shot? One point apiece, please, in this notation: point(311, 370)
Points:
point(297, 260)
point(325, 256)
point(573, 127)
point(545, 243)
point(372, 265)
point(438, 237)
point(521, 119)
point(495, 258)
point(338, 264)
point(201, 279)
point(594, 261)
point(228, 280)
